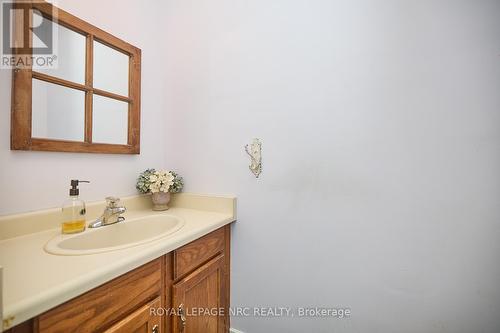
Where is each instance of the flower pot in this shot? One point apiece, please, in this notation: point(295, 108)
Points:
point(160, 200)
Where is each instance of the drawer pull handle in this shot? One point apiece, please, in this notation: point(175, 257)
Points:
point(155, 329)
point(182, 316)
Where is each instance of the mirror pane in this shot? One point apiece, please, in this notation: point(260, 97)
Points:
point(70, 63)
point(109, 121)
point(110, 69)
point(57, 112)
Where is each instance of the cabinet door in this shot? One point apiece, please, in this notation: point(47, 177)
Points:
point(140, 321)
point(201, 296)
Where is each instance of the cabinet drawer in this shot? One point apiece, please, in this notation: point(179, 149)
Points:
point(141, 321)
point(192, 255)
point(103, 306)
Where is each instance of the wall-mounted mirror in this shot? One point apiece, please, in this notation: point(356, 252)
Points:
point(89, 101)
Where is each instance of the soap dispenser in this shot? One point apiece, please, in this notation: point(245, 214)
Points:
point(73, 210)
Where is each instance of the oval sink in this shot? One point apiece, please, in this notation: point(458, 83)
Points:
point(116, 236)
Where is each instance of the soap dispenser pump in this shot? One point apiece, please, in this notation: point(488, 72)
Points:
point(73, 210)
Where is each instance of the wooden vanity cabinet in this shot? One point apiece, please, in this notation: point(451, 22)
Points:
point(193, 279)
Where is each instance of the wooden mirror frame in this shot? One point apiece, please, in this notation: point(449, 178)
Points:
point(22, 77)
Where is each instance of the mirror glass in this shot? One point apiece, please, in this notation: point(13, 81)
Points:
point(57, 112)
point(111, 69)
point(70, 50)
point(109, 121)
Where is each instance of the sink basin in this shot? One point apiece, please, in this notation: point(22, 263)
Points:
point(116, 236)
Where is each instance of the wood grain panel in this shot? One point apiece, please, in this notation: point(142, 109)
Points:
point(141, 321)
point(20, 130)
point(103, 306)
point(167, 292)
point(80, 147)
point(202, 289)
point(89, 82)
point(226, 282)
point(192, 255)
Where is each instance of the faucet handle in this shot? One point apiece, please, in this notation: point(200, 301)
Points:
point(112, 202)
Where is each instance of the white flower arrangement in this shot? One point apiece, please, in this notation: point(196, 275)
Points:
point(152, 181)
point(161, 181)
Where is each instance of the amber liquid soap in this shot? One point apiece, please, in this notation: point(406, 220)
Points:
point(73, 227)
point(73, 211)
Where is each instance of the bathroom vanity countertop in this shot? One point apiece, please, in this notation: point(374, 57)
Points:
point(35, 281)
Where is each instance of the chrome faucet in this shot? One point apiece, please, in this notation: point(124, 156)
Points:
point(111, 214)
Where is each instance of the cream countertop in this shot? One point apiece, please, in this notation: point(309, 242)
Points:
point(35, 281)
